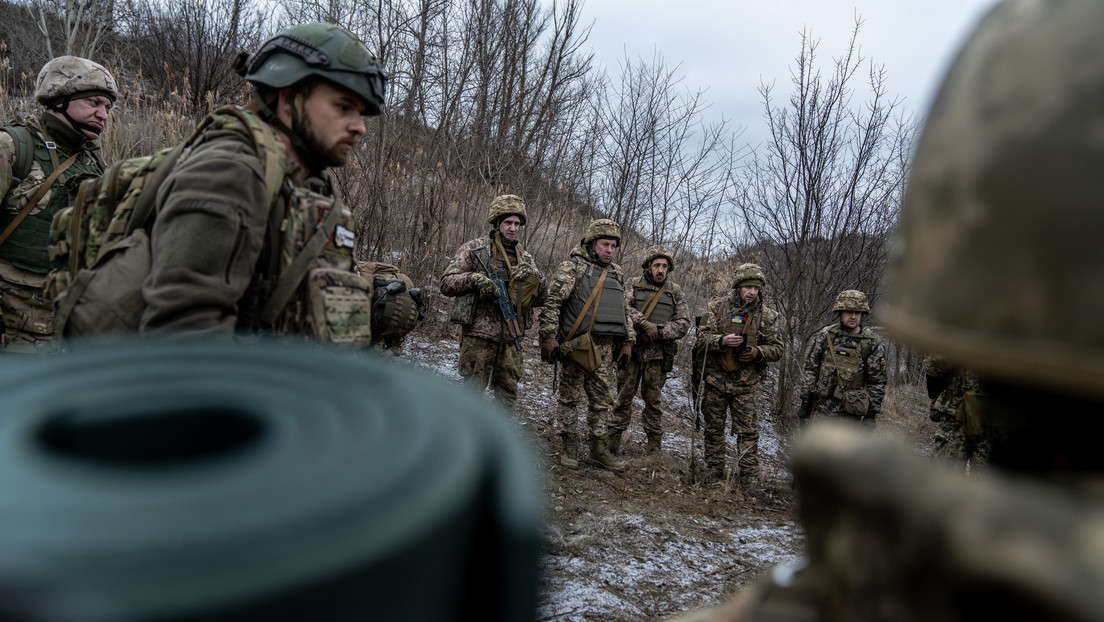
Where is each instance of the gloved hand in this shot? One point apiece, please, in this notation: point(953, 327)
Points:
point(484, 286)
point(649, 332)
point(749, 355)
point(522, 271)
point(549, 347)
point(623, 356)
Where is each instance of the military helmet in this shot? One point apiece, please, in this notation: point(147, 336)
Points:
point(318, 49)
point(66, 76)
point(602, 228)
point(997, 261)
point(506, 205)
point(748, 274)
point(655, 252)
point(852, 300)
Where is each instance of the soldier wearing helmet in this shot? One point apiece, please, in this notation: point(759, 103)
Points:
point(739, 336)
point(660, 319)
point(233, 251)
point(487, 352)
point(585, 327)
point(845, 366)
point(61, 143)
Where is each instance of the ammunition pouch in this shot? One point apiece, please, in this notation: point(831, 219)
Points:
point(340, 307)
point(463, 310)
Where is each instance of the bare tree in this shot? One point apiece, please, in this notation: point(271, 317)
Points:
point(815, 206)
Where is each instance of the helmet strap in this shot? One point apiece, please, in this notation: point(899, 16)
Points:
point(63, 109)
point(272, 119)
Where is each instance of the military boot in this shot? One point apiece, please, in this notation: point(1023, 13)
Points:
point(600, 455)
point(569, 454)
point(654, 445)
point(613, 441)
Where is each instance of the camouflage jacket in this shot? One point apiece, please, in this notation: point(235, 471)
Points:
point(218, 247)
point(564, 283)
point(457, 281)
point(820, 379)
point(709, 336)
point(673, 330)
point(955, 383)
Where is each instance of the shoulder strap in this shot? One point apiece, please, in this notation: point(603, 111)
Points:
point(595, 296)
point(652, 301)
point(24, 151)
point(36, 197)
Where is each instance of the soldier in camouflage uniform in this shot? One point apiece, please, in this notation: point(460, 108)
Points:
point(739, 335)
point(487, 352)
point(586, 311)
point(957, 398)
point(660, 319)
point(219, 246)
point(845, 366)
point(77, 95)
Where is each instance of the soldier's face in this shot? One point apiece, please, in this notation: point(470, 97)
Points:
point(659, 268)
point(605, 248)
point(509, 227)
point(332, 124)
point(850, 319)
point(92, 111)
point(748, 293)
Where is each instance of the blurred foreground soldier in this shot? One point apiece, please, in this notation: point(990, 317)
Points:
point(226, 255)
point(487, 349)
point(585, 325)
point(957, 406)
point(37, 158)
point(845, 366)
point(739, 334)
point(1014, 133)
point(660, 319)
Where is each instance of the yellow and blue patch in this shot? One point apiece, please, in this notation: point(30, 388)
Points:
point(738, 319)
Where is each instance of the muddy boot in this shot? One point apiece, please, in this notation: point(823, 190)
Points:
point(613, 441)
point(569, 454)
point(654, 445)
point(600, 456)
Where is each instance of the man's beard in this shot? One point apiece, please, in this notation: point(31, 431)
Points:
point(318, 155)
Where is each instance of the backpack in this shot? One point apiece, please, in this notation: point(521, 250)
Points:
point(24, 151)
point(397, 305)
point(101, 237)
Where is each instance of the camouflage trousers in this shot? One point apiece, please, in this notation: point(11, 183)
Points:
point(28, 314)
point(952, 445)
point(597, 386)
point(649, 377)
point(745, 425)
point(496, 363)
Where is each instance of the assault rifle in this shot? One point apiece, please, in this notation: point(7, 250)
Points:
point(505, 305)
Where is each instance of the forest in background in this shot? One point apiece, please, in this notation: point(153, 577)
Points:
point(503, 96)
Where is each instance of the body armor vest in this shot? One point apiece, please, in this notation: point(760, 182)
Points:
point(841, 368)
point(610, 318)
point(744, 323)
point(664, 309)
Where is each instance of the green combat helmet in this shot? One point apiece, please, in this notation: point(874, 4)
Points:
point(71, 77)
point(852, 300)
point(322, 50)
point(506, 205)
point(655, 252)
point(748, 274)
point(602, 228)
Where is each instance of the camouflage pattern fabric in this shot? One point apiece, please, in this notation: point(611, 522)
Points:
point(650, 378)
point(734, 391)
point(952, 444)
point(498, 363)
point(72, 75)
point(672, 331)
point(871, 374)
point(598, 387)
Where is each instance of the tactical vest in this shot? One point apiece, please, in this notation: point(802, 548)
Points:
point(664, 309)
point(744, 323)
point(841, 368)
point(26, 247)
point(610, 318)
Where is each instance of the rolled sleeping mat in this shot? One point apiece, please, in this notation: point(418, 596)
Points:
point(191, 480)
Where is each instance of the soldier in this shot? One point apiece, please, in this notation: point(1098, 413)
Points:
point(660, 319)
point(586, 311)
point(738, 334)
point(957, 398)
point(845, 366)
point(62, 143)
point(225, 259)
point(487, 350)
point(1013, 132)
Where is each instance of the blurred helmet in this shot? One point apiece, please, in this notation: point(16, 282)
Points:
point(748, 275)
point(655, 252)
point(852, 300)
point(506, 205)
point(322, 50)
point(69, 76)
point(602, 228)
point(998, 262)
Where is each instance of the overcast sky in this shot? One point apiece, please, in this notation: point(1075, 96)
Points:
point(728, 46)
